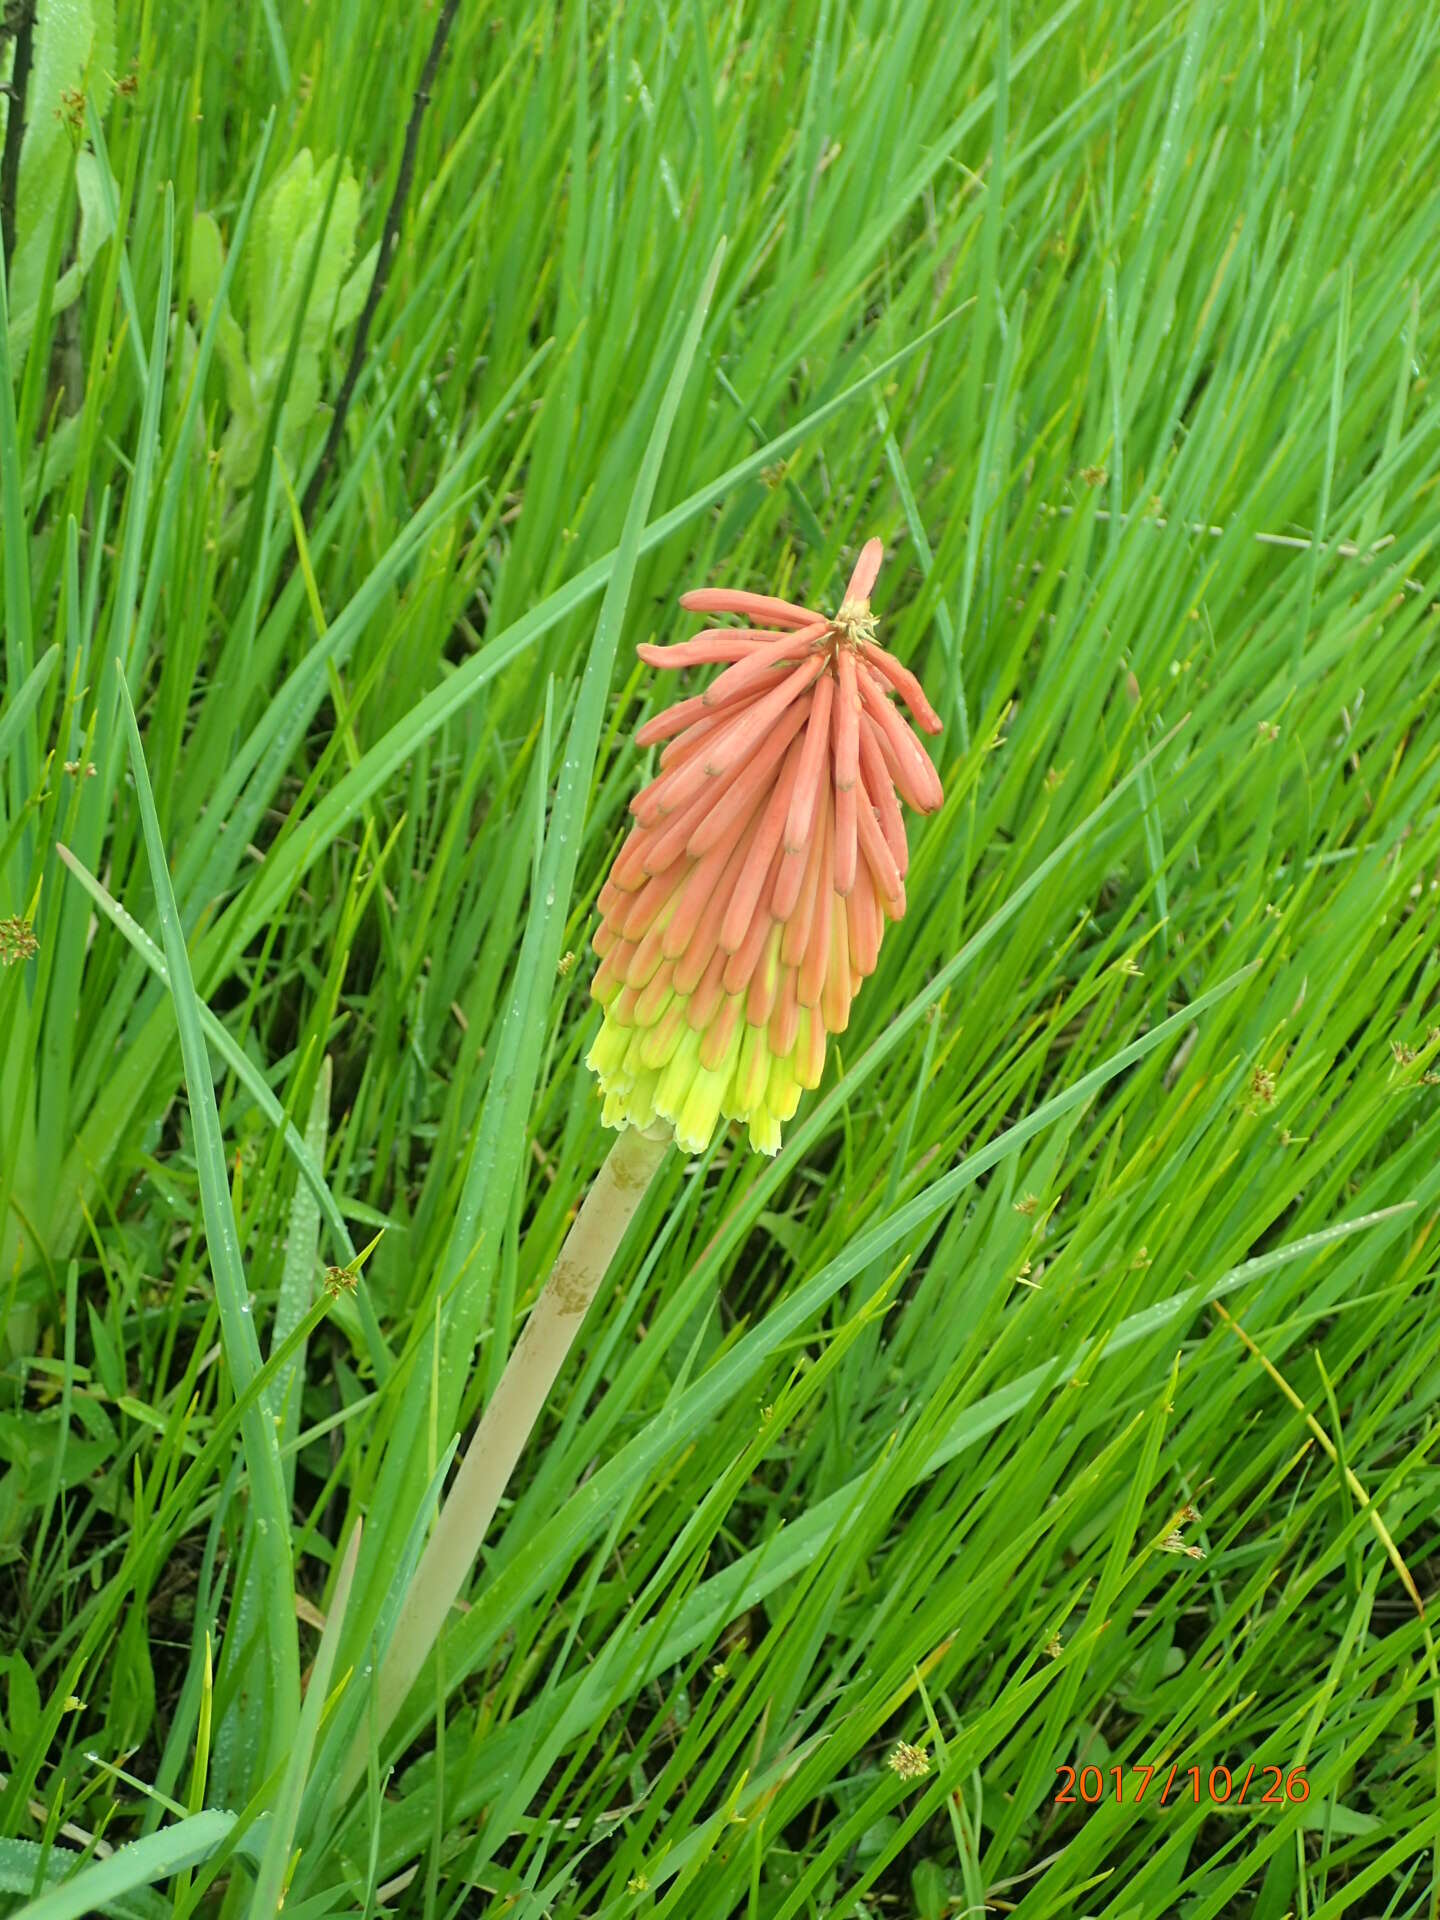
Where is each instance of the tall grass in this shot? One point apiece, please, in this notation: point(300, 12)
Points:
point(1064, 1394)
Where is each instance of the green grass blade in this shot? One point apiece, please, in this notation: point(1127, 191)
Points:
point(242, 1349)
point(144, 1863)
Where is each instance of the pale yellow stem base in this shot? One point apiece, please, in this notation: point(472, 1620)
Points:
point(508, 1420)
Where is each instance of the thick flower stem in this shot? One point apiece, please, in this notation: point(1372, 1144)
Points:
point(512, 1413)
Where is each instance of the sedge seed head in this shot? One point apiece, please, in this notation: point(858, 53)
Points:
point(909, 1763)
point(17, 941)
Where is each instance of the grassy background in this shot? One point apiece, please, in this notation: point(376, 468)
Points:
point(1119, 1197)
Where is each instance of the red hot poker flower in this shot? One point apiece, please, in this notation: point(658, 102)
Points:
point(750, 899)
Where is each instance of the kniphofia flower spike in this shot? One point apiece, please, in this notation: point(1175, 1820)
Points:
point(750, 898)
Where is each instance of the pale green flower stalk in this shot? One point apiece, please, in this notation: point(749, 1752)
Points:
point(739, 919)
point(510, 1417)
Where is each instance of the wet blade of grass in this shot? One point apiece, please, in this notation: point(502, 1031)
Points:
point(242, 1348)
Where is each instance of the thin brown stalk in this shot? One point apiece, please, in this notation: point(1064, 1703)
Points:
point(389, 245)
point(22, 23)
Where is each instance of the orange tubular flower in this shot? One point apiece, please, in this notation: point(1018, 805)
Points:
point(750, 898)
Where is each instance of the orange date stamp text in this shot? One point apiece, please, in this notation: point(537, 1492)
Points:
point(1265, 1786)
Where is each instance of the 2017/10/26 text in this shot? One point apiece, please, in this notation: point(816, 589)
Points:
point(1258, 1786)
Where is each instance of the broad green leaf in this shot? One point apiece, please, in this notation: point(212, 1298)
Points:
point(142, 1864)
